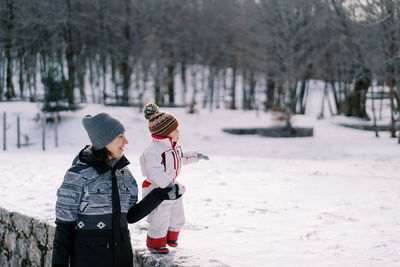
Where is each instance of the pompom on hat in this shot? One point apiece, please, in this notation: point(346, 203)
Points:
point(160, 123)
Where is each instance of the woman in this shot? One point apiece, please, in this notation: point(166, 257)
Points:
point(97, 199)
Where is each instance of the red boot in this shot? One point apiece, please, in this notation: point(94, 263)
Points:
point(172, 243)
point(157, 245)
point(162, 250)
point(172, 238)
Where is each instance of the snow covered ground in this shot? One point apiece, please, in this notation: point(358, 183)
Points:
point(328, 200)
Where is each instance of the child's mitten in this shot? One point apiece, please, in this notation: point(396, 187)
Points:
point(202, 156)
point(182, 189)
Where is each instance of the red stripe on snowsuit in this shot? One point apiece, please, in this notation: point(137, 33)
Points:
point(176, 154)
point(177, 159)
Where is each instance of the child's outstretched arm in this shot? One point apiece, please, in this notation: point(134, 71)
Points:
point(189, 157)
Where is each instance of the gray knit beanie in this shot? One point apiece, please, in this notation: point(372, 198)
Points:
point(102, 129)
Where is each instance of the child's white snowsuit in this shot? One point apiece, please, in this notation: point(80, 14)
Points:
point(161, 164)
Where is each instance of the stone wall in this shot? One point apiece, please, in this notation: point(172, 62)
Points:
point(25, 241)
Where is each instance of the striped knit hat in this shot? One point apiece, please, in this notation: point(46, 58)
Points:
point(160, 123)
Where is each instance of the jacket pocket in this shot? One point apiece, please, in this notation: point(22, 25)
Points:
point(173, 156)
point(99, 187)
point(94, 205)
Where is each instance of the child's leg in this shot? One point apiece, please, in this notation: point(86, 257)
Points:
point(176, 222)
point(158, 225)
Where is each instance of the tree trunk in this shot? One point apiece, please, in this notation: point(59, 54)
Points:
point(233, 90)
point(194, 86)
point(326, 92)
point(252, 91)
point(21, 77)
point(244, 91)
point(144, 87)
point(81, 82)
point(392, 119)
point(114, 79)
point(396, 97)
point(373, 111)
point(9, 84)
point(28, 76)
point(126, 81)
point(321, 115)
point(92, 80)
point(301, 96)
point(211, 87)
point(81, 73)
point(279, 101)
point(103, 58)
point(335, 95)
point(104, 65)
point(184, 85)
point(341, 89)
point(126, 69)
point(356, 100)
point(157, 87)
point(34, 97)
point(203, 85)
point(171, 85)
point(288, 104)
point(293, 91)
point(2, 71)
point(69, 55)
point(80, 65)
point(269, 92)
point(8, 48)
point(217, 90)
point(224, 88)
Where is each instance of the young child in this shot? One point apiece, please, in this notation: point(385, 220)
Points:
point(161, 164)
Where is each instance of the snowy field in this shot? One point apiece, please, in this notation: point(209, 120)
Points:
point(329, 200)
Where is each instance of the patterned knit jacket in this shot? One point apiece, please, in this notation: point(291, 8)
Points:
point(84, 197)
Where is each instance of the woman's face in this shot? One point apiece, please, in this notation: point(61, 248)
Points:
point(116, 147)
point(174, 135)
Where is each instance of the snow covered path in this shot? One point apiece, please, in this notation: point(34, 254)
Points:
point(247, 211)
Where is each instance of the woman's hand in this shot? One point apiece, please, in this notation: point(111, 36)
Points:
point(170, 192)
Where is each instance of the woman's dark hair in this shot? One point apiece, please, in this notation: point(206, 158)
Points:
point(102, 155)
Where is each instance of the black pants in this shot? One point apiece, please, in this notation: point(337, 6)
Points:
point(95, 248)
